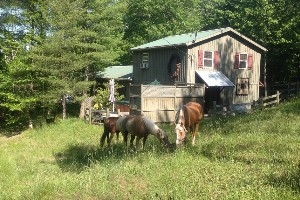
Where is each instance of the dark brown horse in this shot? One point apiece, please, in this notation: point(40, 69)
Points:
point(109, 127)
point(139, 127)
point(187, 120)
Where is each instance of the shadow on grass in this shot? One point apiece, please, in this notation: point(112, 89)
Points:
point(81, 156)
point(77, 158)
point(288, 179)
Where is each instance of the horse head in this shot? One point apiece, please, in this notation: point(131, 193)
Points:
point(163, 137)
point(181, 133)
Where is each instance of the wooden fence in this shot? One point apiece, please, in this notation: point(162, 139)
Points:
point(94, 116)
point(259, 104)
point(161, 102)
point(286, 90)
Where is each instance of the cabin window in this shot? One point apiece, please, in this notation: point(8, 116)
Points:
point(243, 61)
point(208, 59)
point(242, 86)
point(145, 61)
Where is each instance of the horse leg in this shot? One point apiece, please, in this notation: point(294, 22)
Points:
point(104, 135)
point(117, 133)
point(131, 140)
point(195, 133)
point(144, 141)
point(125, 137)
point(109, 139)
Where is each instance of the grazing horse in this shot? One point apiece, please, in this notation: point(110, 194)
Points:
point(140, 126)
point(121, 126)
point(109, 127)
point(187, 120)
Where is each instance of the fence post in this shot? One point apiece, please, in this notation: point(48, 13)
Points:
point(90, 114)
point(261, 103)
point(277, 96)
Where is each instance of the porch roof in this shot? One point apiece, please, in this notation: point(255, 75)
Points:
point(116, 72)
point(214, 79)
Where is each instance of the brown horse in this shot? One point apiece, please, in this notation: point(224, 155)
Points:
point(139, 127)
point(109, 127)
point(187, 120)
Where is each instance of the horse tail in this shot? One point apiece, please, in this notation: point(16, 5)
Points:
point(121, 123)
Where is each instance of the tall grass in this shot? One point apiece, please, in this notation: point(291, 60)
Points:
point(251, 156)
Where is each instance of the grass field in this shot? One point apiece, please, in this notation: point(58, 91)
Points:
point(251, 156)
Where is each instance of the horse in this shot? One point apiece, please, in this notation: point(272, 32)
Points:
point(187, 120)
point(121, 126)
point(139, 126)
point(109, 127)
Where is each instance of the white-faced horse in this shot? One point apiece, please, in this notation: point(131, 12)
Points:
point(187, 120)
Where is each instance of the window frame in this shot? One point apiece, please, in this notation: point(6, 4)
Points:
point(243, 61)
point(208, 59)
point(145, 60)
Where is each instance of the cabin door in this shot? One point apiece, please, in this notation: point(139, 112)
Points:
point(211, 94)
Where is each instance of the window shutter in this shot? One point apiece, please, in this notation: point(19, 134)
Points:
point(236, 61)
point(216, 60)
point(200, 58)
point(250, 61)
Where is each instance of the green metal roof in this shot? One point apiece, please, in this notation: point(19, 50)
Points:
point(190, 38)
point(116, 72)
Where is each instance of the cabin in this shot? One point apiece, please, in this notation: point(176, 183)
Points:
point(227, 63)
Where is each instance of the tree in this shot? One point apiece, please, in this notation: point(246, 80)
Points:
point(18, 95)
point(149, 20)
point(266, 22)
point(79, 43)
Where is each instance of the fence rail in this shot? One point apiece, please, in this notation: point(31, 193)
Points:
point(287, 90)
point(270, 100)
point(236, 108)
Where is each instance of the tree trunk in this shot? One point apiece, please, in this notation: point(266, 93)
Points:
point(83, 103)
point(64, 107)
point(82, 110)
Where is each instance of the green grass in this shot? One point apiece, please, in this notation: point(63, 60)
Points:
point(252, 156)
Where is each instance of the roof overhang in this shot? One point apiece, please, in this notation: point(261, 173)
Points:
point(116, 72)
point(214, 79)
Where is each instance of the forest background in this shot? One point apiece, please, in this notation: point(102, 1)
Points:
point(50, 50)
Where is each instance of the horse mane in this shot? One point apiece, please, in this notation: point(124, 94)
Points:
point(150, 125)
point(179, 117)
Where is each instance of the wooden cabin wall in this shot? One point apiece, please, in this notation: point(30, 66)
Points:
point(158, 65)
point(227, 47)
